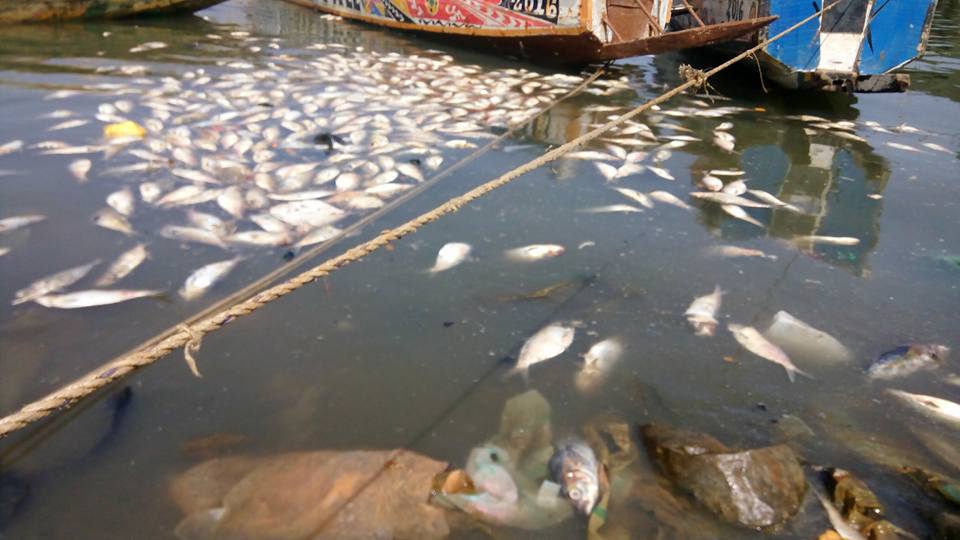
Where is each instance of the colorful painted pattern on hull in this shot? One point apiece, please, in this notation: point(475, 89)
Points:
point(481, 14)
point(18, 11)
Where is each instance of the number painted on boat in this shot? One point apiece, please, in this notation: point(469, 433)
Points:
point(734, 10)
point(544, 9)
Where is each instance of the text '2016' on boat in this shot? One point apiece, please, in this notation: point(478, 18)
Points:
point(854, 46)
point(19, 11)
point(555, 31)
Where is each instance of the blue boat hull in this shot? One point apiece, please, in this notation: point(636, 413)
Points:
point(854, 46)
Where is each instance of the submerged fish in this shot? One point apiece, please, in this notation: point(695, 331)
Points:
point(450, 255)
point(200, 281)
point(726, 198)
point(702, 313)
point(17, 222)
point(549, 342)
point(635, 196)
point(93, 298)
point(575, 467)
point(127, 262)
point(598, 361)
point(736, 251)
point(740, 214)
point(846, 530)
point(832, 240)
point(668, 198)
point(53, 283)
point(534, 252)
point(931, 406)
point(753, 341)
point(906, 360)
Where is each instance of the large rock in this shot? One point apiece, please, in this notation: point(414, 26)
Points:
point(754, 488)
point(311, 496)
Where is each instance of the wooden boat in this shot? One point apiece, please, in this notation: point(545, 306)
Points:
point(853, 47)
point(21, 11)
point(555, 31)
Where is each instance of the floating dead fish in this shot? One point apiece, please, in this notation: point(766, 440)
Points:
point(724, 140)
point(200, 281)
point(312, 213)
point(192, 234)
point(109, 218)
point(661, 172)
point(611, 208)
point(598, 362)
point(726, 198)
point(11, 147)
point(259, 238)
point(702, 313)
point(832, 240)
point(635, 196)
point(53, 283)
point(740, 214)
point(575, 467)
point(737, 187)
point(934, 407)
point(726, 172)
point(752, 340)
point(907, 360)
point(800, 340)
point(936, 147)
point(772, 200)
point(736, 251)
point(80, 168)
point(534, 252)
point(668, 198)
point(590, 155)
point(122, 201)
point(845, 530)
point(18, 222)
point(900, 146)
point(194, 176)
point(318, 235)
point(549, 342)
point(4, 251)
point(712, 183)
point(69, 124)
point(148, 46)
point(126, 263)
point(450, 255)
point(93, 298)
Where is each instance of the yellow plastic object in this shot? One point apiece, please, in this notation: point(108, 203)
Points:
point(128, 128)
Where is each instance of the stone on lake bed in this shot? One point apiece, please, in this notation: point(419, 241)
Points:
point(755, 488)
point(311, 495)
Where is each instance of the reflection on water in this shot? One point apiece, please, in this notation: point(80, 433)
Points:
point(382, 355)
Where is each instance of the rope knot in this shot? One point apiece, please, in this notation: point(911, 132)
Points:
point(697, 76)
point(190, 347)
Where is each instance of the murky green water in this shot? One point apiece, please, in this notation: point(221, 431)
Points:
point(369, 358)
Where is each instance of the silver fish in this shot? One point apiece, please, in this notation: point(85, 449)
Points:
point(11, 147)
point(53, 283)
point(93, 298)
point(450, 255)
point(726, 198)
point(598, 362)
point(534, 252)
point(844, 529)
point(113, 220)
point(192, 234)
point(200, 281)
point(740, 214)
point(127, 262)
point(702, 313)
point(122, 201)
point(80, 168)
point(575, 467)
point(931, 406)
point(636, 196)
point(724, 140)
point(736, 251)
point(771, 199)
point(753, 341)
point(906, 360)
point(611, 208)
point(668, 198)
point(17, 222)
point(832, 240)
point(549, 342)
point(310, 213)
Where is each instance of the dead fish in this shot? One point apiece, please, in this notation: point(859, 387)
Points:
point(844, 529)
point(534, 252)
point(411, 170)
point(259, 238)
point(69, 124)
point(53, 283)
point(93, 298)
point(905, 147)
point(832, 240)
point(702, 313)
point(740, 214)
point(590, 155)
point(549, 342)
point(194, 176)
point(937, 147)
point(726, 198)
point(736, 251)
point(450, 255)
point(907, 360)
point(192, 234)
point(17, 222)
point(318, 235)
point(724, 140)
point(80, 168)
point(726, 172)
point(598, 362)
point(232, 201)
point(931, 406)
point(575, 467)
point(126, 263)
point(668, 198)
point(108, 218)
point(752, 340)
point(799, 339)
point(661, 172)
point(200, 281)
point(771, 199)
point(635, 196)
point(712, 183)
point(611, 208)
point(122, 201)
point(148, 46)
point(312, 213)
point(737, 187)
point(11, 147)
point(209, 222)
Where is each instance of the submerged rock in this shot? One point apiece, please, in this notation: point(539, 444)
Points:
point(754, 488)
point(311, 495)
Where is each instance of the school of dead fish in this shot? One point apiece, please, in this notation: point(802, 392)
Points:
point(279, 155)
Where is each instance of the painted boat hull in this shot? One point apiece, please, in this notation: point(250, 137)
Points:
point(22, 11)
point(853, 47)
point(572, 32)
